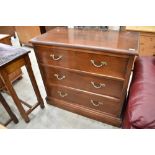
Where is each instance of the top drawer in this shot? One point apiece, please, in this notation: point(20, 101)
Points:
point(89, 61)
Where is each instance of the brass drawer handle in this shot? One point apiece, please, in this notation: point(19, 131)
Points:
point(62, 94)
point(97, 86)
point(102, 63)
point(55, 57)
point(59, 78)
point(95, 103)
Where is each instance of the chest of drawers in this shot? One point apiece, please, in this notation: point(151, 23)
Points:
point(87, 71)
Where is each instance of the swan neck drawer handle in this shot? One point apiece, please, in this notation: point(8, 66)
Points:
point(62, 94)
point(95, 103)
point(55, 57)
point(59, 78)
point(99, 85)
point(102, 63)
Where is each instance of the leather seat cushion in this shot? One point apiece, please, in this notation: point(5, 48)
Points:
point(141, 103)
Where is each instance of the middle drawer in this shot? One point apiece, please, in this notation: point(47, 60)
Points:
point(83, 81)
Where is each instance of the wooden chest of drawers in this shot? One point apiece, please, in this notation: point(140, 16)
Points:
point(87, 71)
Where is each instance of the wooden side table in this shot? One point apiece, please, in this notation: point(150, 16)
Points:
point(12, 58)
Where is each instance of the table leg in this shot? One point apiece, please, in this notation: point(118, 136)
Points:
point(7, 108)
point(33, 81)
point(14, 96)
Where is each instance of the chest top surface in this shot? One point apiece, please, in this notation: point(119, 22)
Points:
point(124, 42)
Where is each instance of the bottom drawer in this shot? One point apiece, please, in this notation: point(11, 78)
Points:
point(85, 99)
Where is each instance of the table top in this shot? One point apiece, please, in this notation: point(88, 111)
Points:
point(9, 53)
point(124, 42)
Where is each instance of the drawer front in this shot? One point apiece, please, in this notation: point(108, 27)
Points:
point(91, 101)
point(83, 81)
point(86, 61)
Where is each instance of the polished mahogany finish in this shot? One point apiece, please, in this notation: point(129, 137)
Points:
point(89, 82)
point(85, 99)
point(99, 63)
point(114, 41)
point(87, 71)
